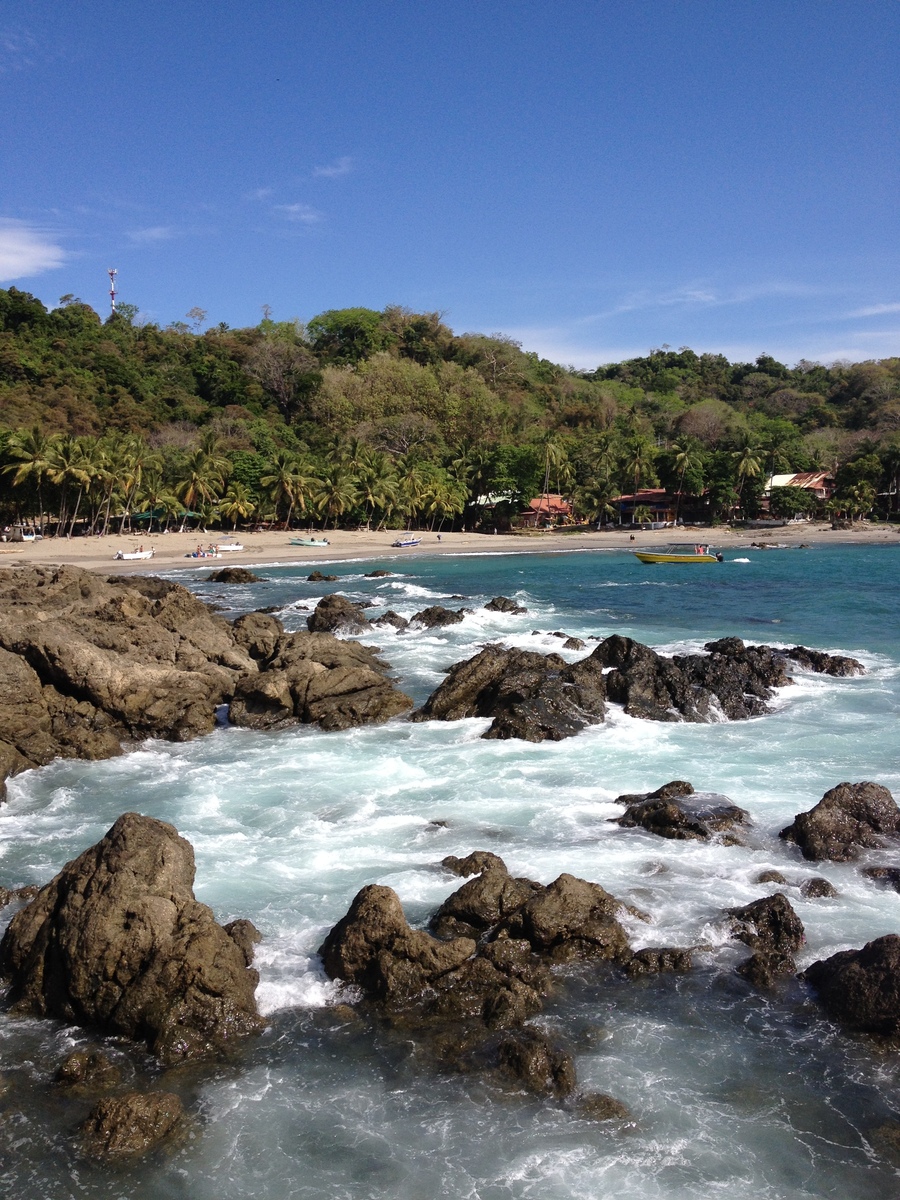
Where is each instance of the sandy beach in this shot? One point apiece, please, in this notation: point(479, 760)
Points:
point(273, 546)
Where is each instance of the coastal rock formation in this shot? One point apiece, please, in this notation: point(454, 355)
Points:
point(436, 616)
point(336, 613)
point(318, 577)
point(313, 678)
point(234, 575)
point(849, 817)
point(473, 864)
point(536, 697)
point(531, 1058)
point(774, 933)
point(687, 817)
point(505, 605)
point(659, 960)
point(89, 664)
point(861, 988)
point(117, 941)
point(530, 695)
point(391, 618)
point(669, 791)
point(124, 1128)
point(87, 1071)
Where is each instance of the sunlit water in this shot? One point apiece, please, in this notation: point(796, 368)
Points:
point(733, 1092)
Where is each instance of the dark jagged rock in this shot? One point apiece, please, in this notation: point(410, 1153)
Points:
point(531, 696)
point(825, 664)
point(336, 613)
point(687, 818)
point(234, 575)
point(473, 864)
point(657, 960)
point(436, 615)
point(774, 933)
point(377, 574)
point(669, 791)
point(117, 941)
point(818, 888)
point(886, 876)
point(318, 577)
point(258, 633)
point(315, 678)
point(571, 919)
point(849, 817)
point(391, 618)
point(9, 895)
point(596, 1106)
point(126, 1127)
point(535, 696)
point(573, 643)
point(531, 1058)
point(408, 970)
point(768, 925)
point(481, 904)
point(861, 988)
point(245, 936)
point(505, 605)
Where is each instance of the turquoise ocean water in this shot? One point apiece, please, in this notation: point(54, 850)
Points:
point(732, 1091)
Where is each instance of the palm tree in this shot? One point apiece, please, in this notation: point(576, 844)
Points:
point(412, 482)
point(201, 479)
point(288, 481)
point(376, 484)
point(640, 454)
point(335, 494)
point(237, 503)
point(641, 515)
point(595, 500)
point(748, 465)
point(33, 452)
point(688, 457)
point(69, 463)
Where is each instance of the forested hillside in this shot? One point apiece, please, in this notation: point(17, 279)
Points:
point(365, 416)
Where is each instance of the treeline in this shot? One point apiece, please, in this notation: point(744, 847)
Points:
point(389, 417)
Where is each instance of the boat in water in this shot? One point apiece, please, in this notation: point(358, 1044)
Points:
point(680, 552)
point(309, 541)
point(402, 542)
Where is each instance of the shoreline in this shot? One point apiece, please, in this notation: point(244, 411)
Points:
point(272, 547)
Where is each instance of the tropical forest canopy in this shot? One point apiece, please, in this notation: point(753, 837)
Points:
point(389, 417)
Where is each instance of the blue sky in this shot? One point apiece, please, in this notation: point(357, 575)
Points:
point(591, 177)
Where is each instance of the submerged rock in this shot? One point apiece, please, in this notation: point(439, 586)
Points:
point(596, 1106)
point(886, 876)
point(687, 818)
point(126, 1127)
point(658, 960)
point(849, 817)
point(117, 941)
point(87, 1071)
point(531, 1058)
point(861, 988)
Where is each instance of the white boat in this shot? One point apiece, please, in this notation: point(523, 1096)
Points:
point(309, 541)
point(229, 545)
point(402, 542)
point(133, 555)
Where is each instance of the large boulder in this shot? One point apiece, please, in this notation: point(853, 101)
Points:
point(774, 933)
point(234, 575)
point(861, 988)
point(117, 941)
point(316, 679)
point(505, 605)
point(529, 695)
point(848, 818)
point(335, 613)
point(699, 817)
point(436, 615)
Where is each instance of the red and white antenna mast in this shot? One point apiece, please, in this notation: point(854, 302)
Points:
point(112, 273)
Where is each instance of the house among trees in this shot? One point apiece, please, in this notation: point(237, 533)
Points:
point(647, 506)
point(820, 483)
point(547, 509)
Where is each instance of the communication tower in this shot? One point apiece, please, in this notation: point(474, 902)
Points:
point(112, 273)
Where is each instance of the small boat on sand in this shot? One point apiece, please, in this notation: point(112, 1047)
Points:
point(229, 544)
point(309, 541)
point(132, 555)
point(403, 542)
point(680, 552)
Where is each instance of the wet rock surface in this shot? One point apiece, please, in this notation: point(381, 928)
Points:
point(774, 933)
point(89, 665)
point(537, 697)
point(848, 818)
point(698, 817)
point(672, 790)
point(474, 864)
point(126, 1127)
point(87, 1071)
point(334, 614)
point(234, 575)
point(116, 941)
point(505, 605)
point(658, 960)
point(318, 577)
point(861, 988)
point(436, 616)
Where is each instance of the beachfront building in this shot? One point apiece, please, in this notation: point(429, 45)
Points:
point(819, 483)
point(653, 503)
point(546, 510)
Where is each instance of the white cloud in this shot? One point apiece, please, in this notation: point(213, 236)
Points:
point(299, 212)
point(18, 51)
point(262, 193)
point(875, 310)
point(341, 166)
point(25, 251)
point(155, 233)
